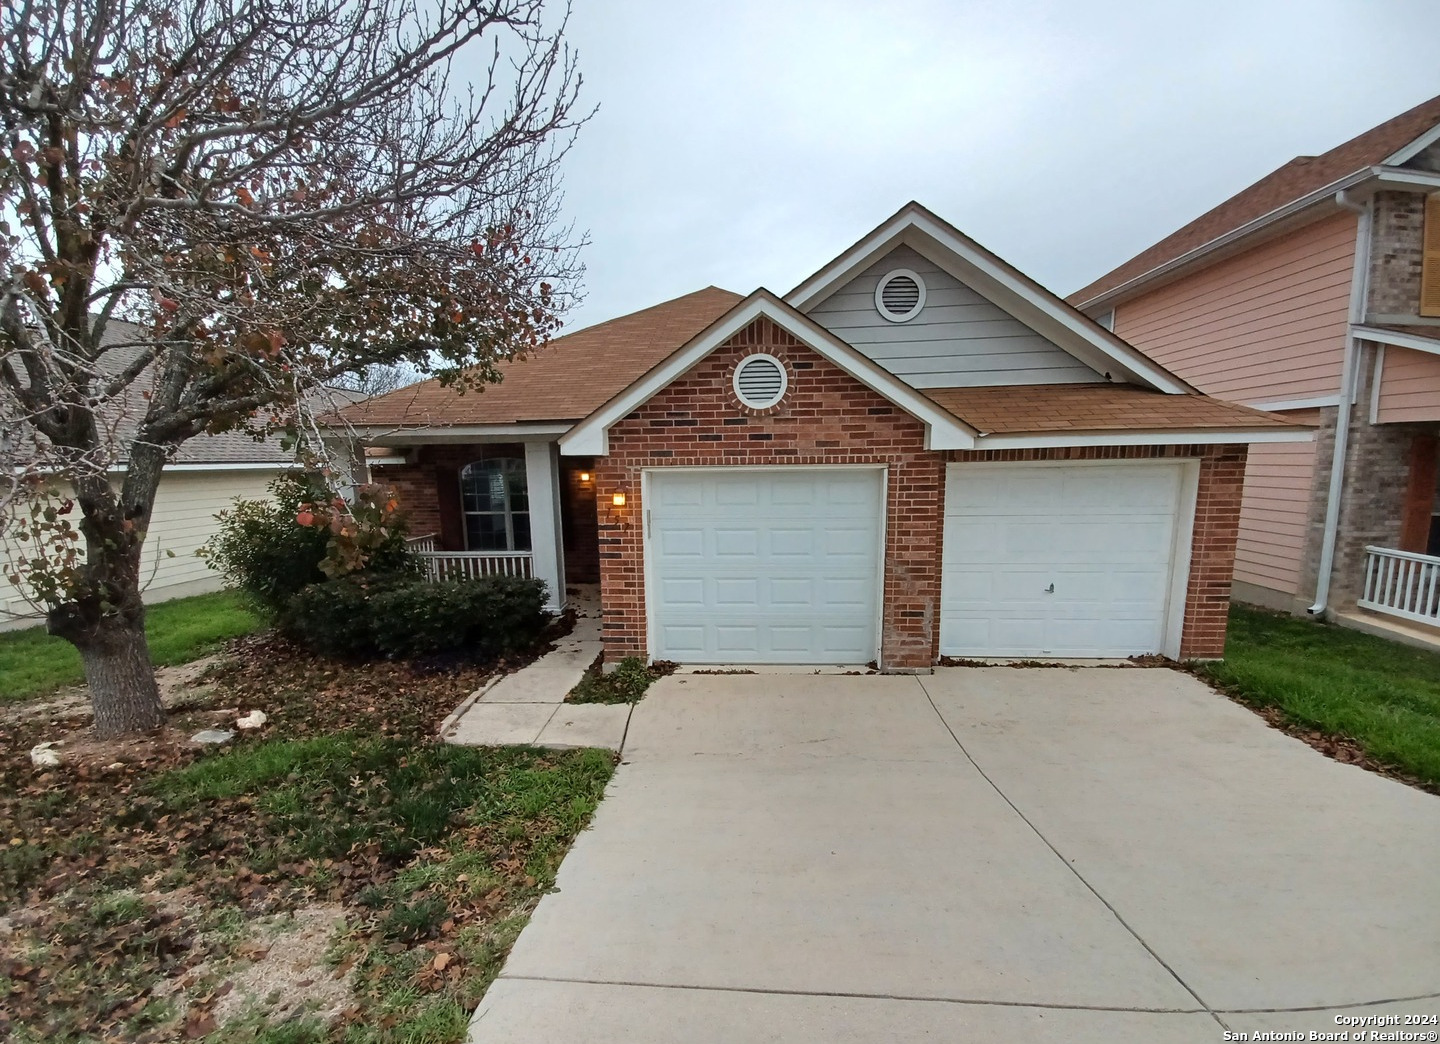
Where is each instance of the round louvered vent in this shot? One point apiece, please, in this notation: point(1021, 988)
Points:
point(900, 295)
point(760, 381)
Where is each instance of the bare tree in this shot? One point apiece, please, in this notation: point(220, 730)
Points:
point(378, 379)
point(277, 193)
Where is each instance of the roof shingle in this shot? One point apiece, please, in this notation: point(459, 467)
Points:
point(1035, 408)
point(564, 381)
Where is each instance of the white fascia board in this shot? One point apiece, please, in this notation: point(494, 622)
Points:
point(1410, 151)
point(984, 273)
point(1399, 340)
point(382, 435)
point(1315, 402)
point(943, 430)
point(380, 462)
point(1205, 437)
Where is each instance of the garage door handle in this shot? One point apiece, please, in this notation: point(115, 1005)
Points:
point(1050, 589)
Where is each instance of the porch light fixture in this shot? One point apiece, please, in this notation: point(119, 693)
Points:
point(618, 499)
point(584, 476)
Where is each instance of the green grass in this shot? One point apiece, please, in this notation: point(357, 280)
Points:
point(33, 663)
point(625, 684)
point(1383, 695)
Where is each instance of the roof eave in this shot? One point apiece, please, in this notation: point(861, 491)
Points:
point(1149, 437)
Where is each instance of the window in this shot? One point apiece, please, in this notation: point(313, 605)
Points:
point(495, 505)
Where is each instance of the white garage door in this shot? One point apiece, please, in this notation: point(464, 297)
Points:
point(764, 566)
point(1069, 560)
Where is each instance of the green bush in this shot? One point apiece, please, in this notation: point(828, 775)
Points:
point(404, 617)
point(272, 549)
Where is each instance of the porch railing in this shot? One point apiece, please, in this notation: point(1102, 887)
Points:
point(468, 565)
point(423, 543)
point(1403, 584)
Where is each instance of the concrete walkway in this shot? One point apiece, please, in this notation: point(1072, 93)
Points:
point(528, 706)
point(988, 854)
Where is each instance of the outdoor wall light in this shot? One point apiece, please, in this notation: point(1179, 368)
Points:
point(584, 476)
point(618, 499)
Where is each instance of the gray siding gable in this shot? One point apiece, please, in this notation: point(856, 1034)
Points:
point(959, 339)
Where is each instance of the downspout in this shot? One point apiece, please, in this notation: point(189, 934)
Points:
point(1349, 374)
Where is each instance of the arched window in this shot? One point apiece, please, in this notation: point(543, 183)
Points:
point(496, 505)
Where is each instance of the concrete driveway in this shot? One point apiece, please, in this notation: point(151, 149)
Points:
point(993, 854)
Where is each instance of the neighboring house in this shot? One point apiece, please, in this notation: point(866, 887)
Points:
point(208, 473)
point(917, 453)
point(1315, 293)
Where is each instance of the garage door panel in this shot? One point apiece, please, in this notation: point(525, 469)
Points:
point(1091, 576)
point(785, 571)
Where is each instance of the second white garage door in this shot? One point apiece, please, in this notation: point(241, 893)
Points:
point(764, 566)
point(1060, 560)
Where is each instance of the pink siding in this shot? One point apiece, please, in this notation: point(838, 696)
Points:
point(1274, 514)
point(1409, 386)
point(1265, 325)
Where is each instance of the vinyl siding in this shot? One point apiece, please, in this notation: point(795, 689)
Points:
point(1274, 513)
point(184, 518)
point(1265, 325)
point(959, 339)
point(1409, 386)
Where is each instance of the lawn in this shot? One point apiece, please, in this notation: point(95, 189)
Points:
point(340, 878)
point(33, 663)
point(1380, 694)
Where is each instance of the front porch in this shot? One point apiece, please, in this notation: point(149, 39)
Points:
point(489, 508)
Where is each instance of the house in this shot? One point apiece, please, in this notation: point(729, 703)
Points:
point(208, 474)
point(918, 452)
point(1315, 294)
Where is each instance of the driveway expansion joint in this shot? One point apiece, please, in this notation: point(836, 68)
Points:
point(1068, 864)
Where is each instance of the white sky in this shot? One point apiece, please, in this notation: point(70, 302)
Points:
point(746, 143)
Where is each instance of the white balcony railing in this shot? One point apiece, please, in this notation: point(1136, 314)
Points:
point(468, 565)
point(1403, 584)
point(423, 543)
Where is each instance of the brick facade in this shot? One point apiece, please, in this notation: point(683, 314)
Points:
point(428, 487)
point(1395, 254)
point(827, 417)
point(1212, 541)
point(578, 520)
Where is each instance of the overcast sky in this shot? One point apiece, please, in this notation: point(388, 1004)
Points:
point(746, 143)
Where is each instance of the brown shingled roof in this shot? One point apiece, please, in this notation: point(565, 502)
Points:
point(1034, 408)
point(565, 380)
point(1299, 177)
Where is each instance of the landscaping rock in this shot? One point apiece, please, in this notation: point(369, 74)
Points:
point(212, 737)
point(45, 756)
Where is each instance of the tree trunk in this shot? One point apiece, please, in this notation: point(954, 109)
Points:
point(122, 682)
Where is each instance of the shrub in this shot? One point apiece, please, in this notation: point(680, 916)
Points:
point(272, 549)
point(404, 617)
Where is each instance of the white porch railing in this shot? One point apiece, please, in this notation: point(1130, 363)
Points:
point(1403, 584)
point(469, 565)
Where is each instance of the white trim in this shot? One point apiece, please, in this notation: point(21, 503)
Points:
point(385, 461)
point(1182, 548)
point(943, 430)
point(1194, 437)
point(1399, 340)
point(379, 434)
point(999, 283)
point(647, 474)
point(1376, 376)
point(898, 273)
point(190, 466)
point(1408, 152)
point(1314, 402)
point(784, 380)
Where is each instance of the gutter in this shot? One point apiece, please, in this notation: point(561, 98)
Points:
point(1375, 179)
point(1349, 375)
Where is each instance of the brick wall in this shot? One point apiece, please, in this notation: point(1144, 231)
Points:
point(826, 417)
point(1217, 527)
point(578, 520)
point(1395, 253)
